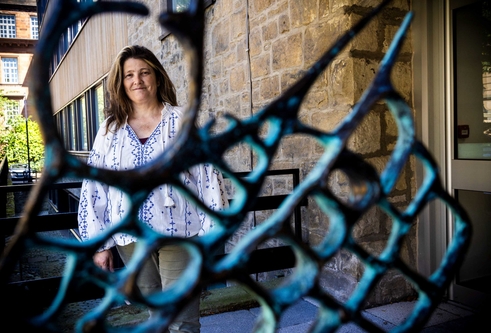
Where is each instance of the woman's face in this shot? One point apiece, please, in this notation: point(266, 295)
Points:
point(140, 81)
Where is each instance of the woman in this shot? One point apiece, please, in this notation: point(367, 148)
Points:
point(142, 121)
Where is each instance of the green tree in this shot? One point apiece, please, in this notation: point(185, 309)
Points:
point(3, 100)
point(13, 142)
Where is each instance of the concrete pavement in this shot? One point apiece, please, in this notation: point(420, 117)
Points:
point(234, 309)
point(448, 317)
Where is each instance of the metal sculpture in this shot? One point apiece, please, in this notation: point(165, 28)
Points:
point(195, 146)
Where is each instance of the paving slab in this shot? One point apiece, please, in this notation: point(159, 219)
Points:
point(393, 313)
point(228, 322)
point(300, 328)
point(298, 313)
point(441, 316)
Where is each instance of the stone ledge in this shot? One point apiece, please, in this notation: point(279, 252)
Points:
point(214, 301)
point(233, 298)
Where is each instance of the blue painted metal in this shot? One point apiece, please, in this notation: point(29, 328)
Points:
point(195, 146)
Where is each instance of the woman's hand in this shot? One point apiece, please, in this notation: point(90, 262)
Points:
point(104, 260)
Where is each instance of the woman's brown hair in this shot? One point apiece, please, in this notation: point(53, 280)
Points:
point(119, 103)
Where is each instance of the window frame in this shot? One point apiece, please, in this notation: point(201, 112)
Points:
point(34, 27)
point(66, 40)
point(82, 143)
point(10, 71)
point(95, 115)
point(72, 127)
point(79, 121)
point(8, 27)
point(168, 4)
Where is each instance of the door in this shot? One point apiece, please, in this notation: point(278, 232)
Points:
point(469, 148)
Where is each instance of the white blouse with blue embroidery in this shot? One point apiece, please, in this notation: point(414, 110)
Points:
point(165, 210)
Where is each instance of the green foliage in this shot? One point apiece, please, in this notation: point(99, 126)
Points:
point(13, 142)
point(3, 100)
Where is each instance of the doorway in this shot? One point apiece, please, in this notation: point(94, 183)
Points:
point(469, 133)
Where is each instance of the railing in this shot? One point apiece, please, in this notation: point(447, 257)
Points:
point(262, 260)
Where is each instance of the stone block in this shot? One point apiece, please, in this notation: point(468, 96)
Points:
point(224, 8)
point(390, 125)
point(295, 147)
point(392, 287)
point(368, 38)
point(242, 51)
point(270, 31)
point(341, 82)
point(215, 67)
point(338, 4)
point(280, 6)
point(255, 42)
point(283, 23)
point(389, 33)
point(302, 12)
point(261, 66)
point(409, 247)
point(232, 103)
point(319, 37)
point(328, 120)
point(238, 25)
point(223, 86)
point(339, 286)
point(324, 8)
point(288, 53)
point(230, 58)
point(364, 71)
point(367, 135)
point(220, 38)
point(259, 6)
point(380, 164)
point(398, 200)
point(290, 77)
point(369, 224)
point(316, 99)
point(269, 88)
point(402, 79)
point(400, 4)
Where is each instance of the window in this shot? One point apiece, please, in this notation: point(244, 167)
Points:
point(99, 104)
point(9, 70)
point(82, 120)
point(179, 6)
point(11, 109)
point(66, 40)
point(79, 121)
point(7, 26)
point(182, 5)
point(72, 130)
point(34, 27)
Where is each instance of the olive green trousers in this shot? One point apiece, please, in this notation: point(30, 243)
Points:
point(163, 268)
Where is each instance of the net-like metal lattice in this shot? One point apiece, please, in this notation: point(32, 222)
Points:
point(197, 145)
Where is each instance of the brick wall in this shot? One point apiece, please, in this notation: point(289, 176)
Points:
point(23, 31)
point(254, 51)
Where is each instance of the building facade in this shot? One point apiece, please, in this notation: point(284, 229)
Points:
point(254, 51)
point(18, 35)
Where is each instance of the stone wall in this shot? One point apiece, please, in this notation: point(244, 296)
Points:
point(254, 51)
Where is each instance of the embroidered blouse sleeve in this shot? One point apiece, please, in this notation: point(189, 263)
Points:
point(93, 216)
point(211, 191)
